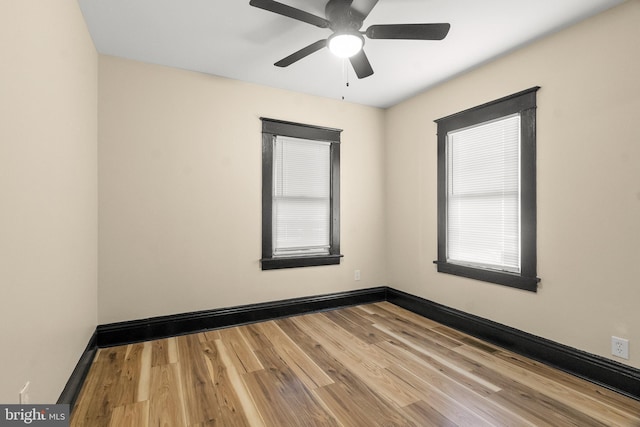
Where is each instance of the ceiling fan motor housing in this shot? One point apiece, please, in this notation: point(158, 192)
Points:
point(342, 17)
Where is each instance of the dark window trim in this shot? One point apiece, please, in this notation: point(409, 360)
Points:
point(524, 103)
point(270, 129)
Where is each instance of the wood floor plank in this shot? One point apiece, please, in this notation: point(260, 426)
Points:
point(370, 365)
point(427, 376)
point(481, 404)
point(534, 404)
point(297, 360)
point(537, 404)
point(144, 378)
point(331, 333)
point(197, 387)
point(356, 316)
point(456, 411)
point(362, 402)
point(343, 400)
point(165, 397)
point(211, 335)
point(282, 398)
point(131, 415)
point(100, 394)
point(223, 398)
point(159, 352)
point(586, 405)
point(244, 397)
point(454, 369)
point(206, 399)
point(628, 408)
point(521, 399)
point(466, 339)
point(364, 360)
point(128, 384)
point(172, 350)
point(255, 337)
point(391, 311)
point(356, 326)
point(241, 353)
point(425, 415)
point(405, 326)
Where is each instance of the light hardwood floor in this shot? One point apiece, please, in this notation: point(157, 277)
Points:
point(371, 365)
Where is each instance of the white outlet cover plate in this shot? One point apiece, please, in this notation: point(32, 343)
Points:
point(620, 347)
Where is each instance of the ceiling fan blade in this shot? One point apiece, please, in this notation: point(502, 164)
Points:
point(361, 65)
point(305, 51)
point(363, 7)
point(409, 31)
point(290, 12)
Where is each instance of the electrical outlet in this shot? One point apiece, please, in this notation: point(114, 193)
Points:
point(356, 275)
point(620, 347)
point(23, 396)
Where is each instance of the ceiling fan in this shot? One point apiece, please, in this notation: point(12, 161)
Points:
point(345, 20)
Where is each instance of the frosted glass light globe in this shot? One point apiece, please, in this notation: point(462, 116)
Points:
point(345, 45)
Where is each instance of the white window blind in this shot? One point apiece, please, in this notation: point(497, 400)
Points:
point(301, 196)
point(483, 195)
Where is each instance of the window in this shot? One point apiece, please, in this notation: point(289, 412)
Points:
point(300, 195)
point(487, 192)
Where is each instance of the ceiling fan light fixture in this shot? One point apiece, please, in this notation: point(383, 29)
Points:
point(346, 44)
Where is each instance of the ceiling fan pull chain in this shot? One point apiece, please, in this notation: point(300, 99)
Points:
point(345, 73)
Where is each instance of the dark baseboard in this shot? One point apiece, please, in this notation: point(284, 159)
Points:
point(608, 373)
point(181, 324)
point(72, 389)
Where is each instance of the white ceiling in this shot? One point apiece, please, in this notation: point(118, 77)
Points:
point(232, 39)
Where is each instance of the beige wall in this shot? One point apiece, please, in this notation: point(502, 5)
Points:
point(48, 195)
point(588, 186)
point(180, 192)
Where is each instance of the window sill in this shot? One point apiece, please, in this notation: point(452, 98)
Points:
point(498, 277)
point(303, 261)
